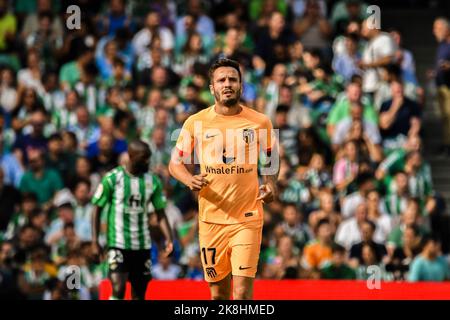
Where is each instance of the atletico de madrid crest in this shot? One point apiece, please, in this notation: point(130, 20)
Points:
point(248, 135)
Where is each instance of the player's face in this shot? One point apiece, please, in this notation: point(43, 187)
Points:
point(140, 160)
point(226, 86)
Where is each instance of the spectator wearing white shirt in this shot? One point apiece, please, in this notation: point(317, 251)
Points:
point(382, 221)
point(379, 51)
point(349, 231)
point(30, 77)
point(349, 204)
point(152, 28)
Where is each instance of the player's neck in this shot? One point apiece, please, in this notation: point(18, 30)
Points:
point(227, 111)
point(131, 171)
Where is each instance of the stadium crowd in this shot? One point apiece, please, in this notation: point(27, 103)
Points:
point(354, 188)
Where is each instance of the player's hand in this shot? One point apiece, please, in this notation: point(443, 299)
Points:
point(168, 249)
point(198, 181)
point(266, 193)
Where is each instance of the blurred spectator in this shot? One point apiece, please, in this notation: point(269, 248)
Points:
point(404, 57)
point(347, 11)
point(9, 200)
point(364, 183)
point(365, 133)
point(313, 28)
point(143, 38)
point(409, 218)
point(195, 20)
point(338, 268)
point(35, 274)
point(288, 134)
point(326, 211)
point(33, 21)
point(400, 260)
point(272, 44)
point(430, 265)
point(116, 18)
point(193, 51)
point(22, 215)
point(286, 264)
point(59, 160)
point(30, 77)
point(345, 170)
point(8, 90)
point(70, 72)
point(165, 269)
point(318, 252)
point(399, 118)
point(383, 222)
point(56, 230)
point(195, 269)
point(44, 182)
point(45, 39)
point(12, 169)
point(441, 31)
point(8, 22)
point(380, 51)
point(68, 242)
point(294, 227)
point(347, 63)
point(395, 203)
point(102, 156)
point(83, 209)
point(349, 231)
point(368, 229)
point(370, 261)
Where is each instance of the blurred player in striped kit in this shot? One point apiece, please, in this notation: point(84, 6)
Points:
point(128, 192)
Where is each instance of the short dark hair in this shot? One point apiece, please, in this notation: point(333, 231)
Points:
point(429, 238)
point(322, 222)
point(371, 224)
point(223, 62)
point(282, 108)
point(45, 14)
point(55, 136)
point(364, 177)
point(337, 248)
point(29, 196)
point(117, 61)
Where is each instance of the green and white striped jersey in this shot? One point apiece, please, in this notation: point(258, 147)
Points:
point(129, 199)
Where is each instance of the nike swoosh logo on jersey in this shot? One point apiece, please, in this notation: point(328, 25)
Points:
point(243, 268)
point(210, 135)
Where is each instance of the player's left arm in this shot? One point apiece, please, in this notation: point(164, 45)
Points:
point(271, 167)
point(159, 202)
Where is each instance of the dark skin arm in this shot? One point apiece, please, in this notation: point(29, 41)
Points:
point(165, 228)
point(96, 249)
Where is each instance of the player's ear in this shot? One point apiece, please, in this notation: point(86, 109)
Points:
point(211, 89)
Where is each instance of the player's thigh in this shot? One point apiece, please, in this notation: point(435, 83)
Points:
point(140, 272)
point(118, 270)
point(245, 248)
point(117, 261)
point(214, 251)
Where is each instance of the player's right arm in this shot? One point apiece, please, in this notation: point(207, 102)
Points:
point(181, 158)
point(180, 172)
point(101, 197)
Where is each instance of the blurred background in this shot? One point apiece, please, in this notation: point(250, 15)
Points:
point(364, 119)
